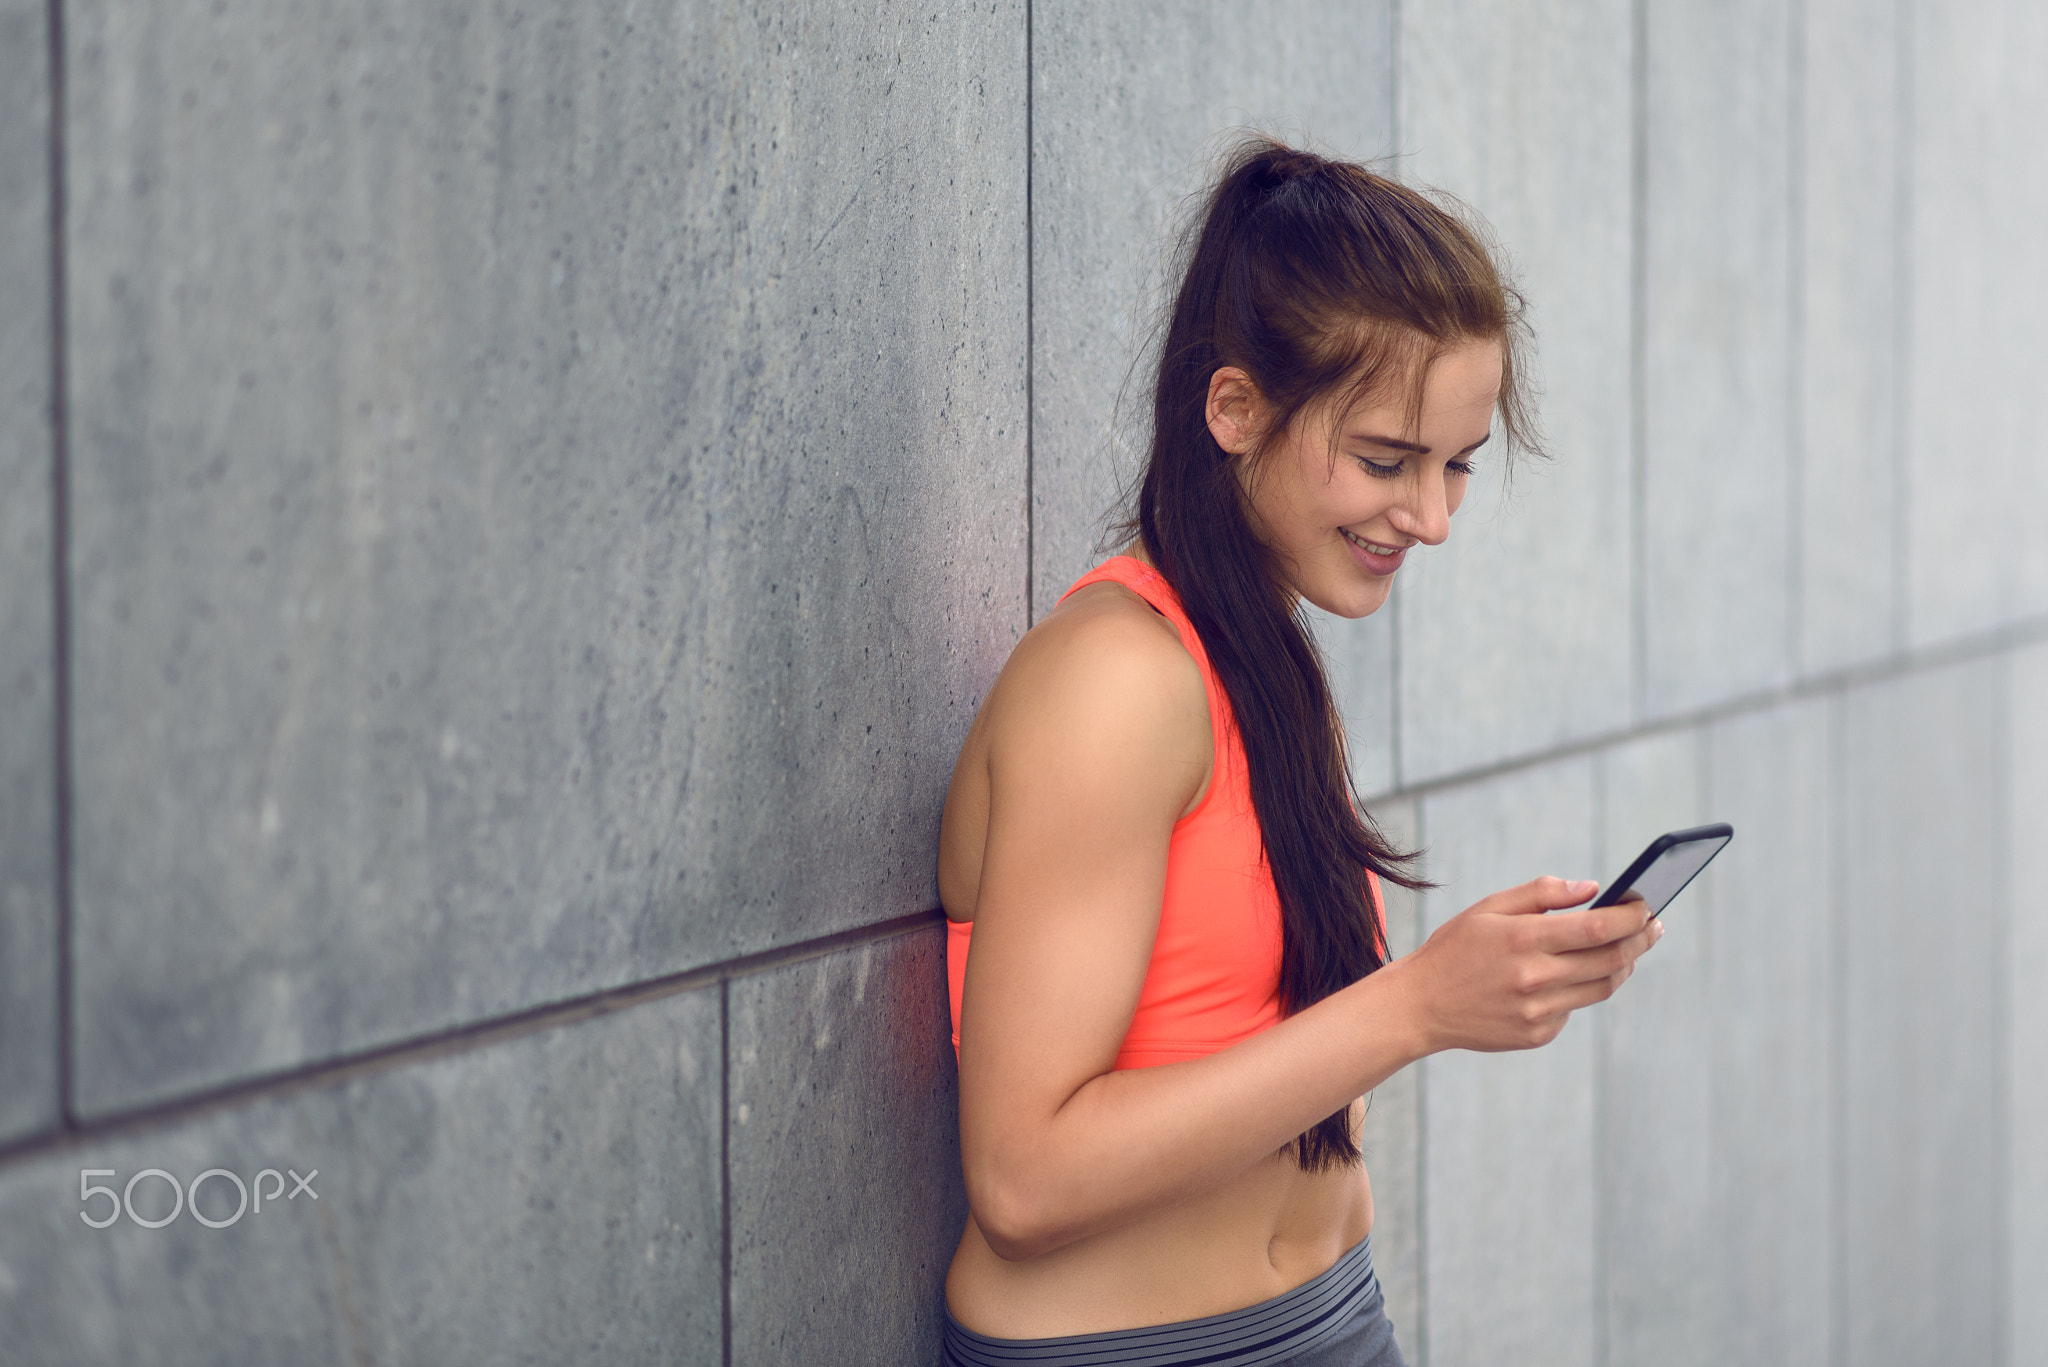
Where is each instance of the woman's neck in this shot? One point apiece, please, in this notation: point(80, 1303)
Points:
point(1136, 551)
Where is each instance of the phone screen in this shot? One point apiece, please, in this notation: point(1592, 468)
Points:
point(1670, 862)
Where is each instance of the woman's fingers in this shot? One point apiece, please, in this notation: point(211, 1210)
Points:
point(1609, 958)
point(1576, 959)
point(1507, 977)
point(1538, 895)
point(1595, 926)
point(1595, 977)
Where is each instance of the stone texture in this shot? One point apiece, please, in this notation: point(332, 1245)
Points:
point(1975, 481)
point(1849, 333)
point(2026, 1057)
point(1127, 100)
point(529, 470)
point(1508, 1165)
point(28, 792)
point(843, 1125)
point(550, 1198)
point(1656, 1142)
point(1392, 1135)
point(1359, 659)
point(387, 720)
point(1923, 1024)
point(1717, 1084)
point(1523, 110)
point(1774, 927)
point(1717, 468)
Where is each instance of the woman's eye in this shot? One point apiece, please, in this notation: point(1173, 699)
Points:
point(1383, 469)
point(1459, 467)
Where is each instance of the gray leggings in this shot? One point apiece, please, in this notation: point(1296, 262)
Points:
point(1337, 1319)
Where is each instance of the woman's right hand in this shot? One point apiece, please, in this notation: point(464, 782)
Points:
point(1503, 975)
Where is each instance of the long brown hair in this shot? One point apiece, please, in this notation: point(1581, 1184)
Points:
point(1323, 282)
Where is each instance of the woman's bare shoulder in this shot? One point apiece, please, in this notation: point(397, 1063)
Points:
point(1101, 693)
point(1102, 649)
point(1099, 714)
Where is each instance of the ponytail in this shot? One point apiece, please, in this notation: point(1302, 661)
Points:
point(1320, 280)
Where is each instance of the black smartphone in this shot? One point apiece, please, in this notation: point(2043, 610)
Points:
point(1671, 861)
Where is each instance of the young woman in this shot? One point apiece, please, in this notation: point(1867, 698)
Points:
point(1177, 989)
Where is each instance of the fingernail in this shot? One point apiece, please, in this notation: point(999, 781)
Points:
point(1656, 931)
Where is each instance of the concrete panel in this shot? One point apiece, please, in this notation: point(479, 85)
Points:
point(1849, 334)
point(2026, 970)
point(1126, 101)
point(843, 1123)
point(1392, 1135)
point(1508, 1157)
point(531, 474)
point(1923, 1025)
point(1717, 468)
point(1975, 528)
point(28, 790)
point(1771, 924)
point(552, 1198)
point(1656, 1094)
point(1523, 110)
point(1359, 657)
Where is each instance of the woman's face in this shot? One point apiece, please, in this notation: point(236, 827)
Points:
point(1341, 518)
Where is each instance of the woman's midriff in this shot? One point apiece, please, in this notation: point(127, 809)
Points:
point(1260, 1235)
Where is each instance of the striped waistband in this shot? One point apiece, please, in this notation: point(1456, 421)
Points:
point(1271, 1331)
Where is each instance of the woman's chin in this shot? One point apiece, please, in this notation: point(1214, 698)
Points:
point(1353, 600)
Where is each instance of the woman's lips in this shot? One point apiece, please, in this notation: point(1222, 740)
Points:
point(1376, 560)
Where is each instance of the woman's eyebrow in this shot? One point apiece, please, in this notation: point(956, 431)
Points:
point(1396, 444)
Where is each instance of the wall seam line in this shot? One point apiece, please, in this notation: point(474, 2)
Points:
point(2019, 635)
point(1639, 362)
point(60, 583)
point(1796, 341)
point(1602, 1214)
point(725, 1171)
point(2002, 797)
point(1393, 608)
point(460, 1039)
point(1395, 48)
point(1902, 314)
point(1838, 1039)
point(1030, 344)
point(1419, 1343)
point(1420, 932)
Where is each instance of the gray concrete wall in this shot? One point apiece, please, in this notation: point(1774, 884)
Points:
point(505, 515)
point(545, 493)
point(491, 516)
point(1784, 572)
point(28, 685)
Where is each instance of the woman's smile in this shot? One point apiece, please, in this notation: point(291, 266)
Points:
point(1376, 558)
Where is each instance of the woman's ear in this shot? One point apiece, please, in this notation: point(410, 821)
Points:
point(1234, 410)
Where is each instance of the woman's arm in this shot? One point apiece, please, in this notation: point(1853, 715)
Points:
point(1098, 740)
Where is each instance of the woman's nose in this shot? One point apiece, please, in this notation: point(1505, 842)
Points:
point(1425, 514)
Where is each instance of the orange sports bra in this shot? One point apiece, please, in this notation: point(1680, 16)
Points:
point(1214, 979)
